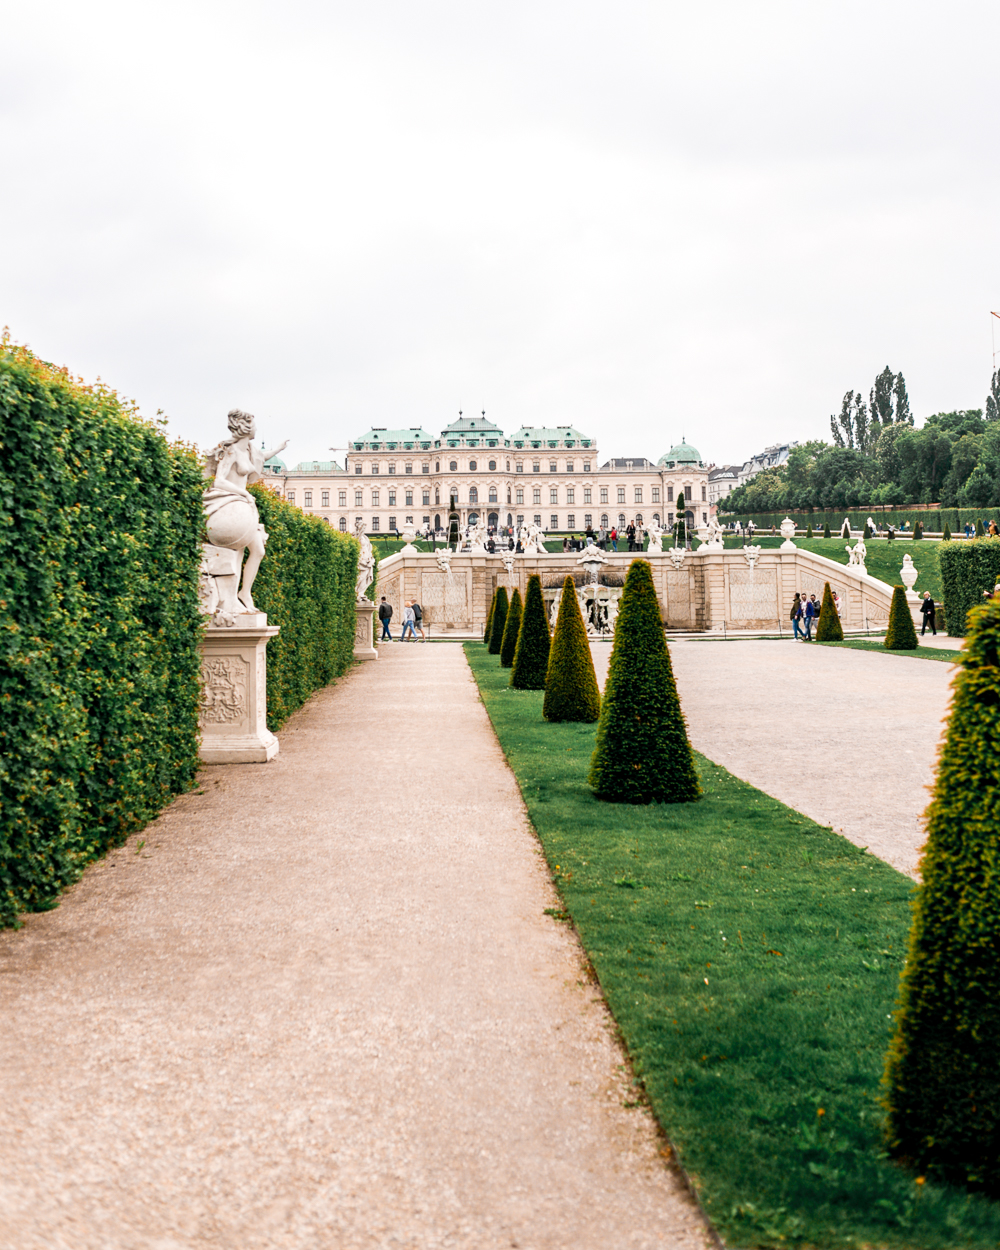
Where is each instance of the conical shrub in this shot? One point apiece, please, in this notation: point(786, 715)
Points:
point(918, 530)
point(571, 691)
point(868, 531)
point(826, 531)
point(900, 634)
point(510, 630)
point(642, 753)
point(845, 529)
point(809, 531)
point(489, 620)
point(829, 628)
point(942, 1081)
point(531, 659)
point(499, 621)
point(946, 533)
point(980, 532)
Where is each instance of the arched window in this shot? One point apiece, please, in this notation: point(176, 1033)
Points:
point(604, 519)
point(473, 495)
point(437, 494)
point(493, 494)
point(493, 466)
point(508, 498)
point(472, 466)
point(656, 518)
point(453, 465)
point(343, 523)
point(638, 518)
point(621, 520)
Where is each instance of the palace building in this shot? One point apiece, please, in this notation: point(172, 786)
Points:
point(550, 476)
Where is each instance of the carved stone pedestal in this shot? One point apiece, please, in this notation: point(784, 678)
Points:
point(364, 632)
point(234, 699)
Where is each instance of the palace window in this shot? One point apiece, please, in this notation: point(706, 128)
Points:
point(343, 524)
point(670, 494)
point(409, 469)
point(638, 518)
point(358, 521)
point(520, 518)
point(290, 496)
point(536, 496)
point(518, 468)
point(508, 466)
point(621, 520)
point(519, 495)
point(536, 468)
point(570, 495)
point(453, 465)
point(553, 522)
point(358, 499)
point(656, 518)
point(588, 521)
point(656, 494)
point(392, 468)
point(392, 523)
point(604, 519)
point(437, 496)
point(493, 494)
point(409, 498)
point(537, 518)
point(571, 520)
point(342, 498)
point(426, 499)
point(425, 468)
point(604, 494)
point(621, 494)
point(326, 499)
point(493, 466)
point(703, 494)
point(392, 499)
point(569, 466)
point(473, 494)
point(409, 520)
point(586, 494)
point(472, 466)
point(427, 520)
point(553, 466)
point(375, 467)
point(586, 466)
point(437, 466)
point(357, 468)
point(638, 495)
point(670, 518)
point(307, 499)
point(375, 523)
point(375, 495)
point(553, 494)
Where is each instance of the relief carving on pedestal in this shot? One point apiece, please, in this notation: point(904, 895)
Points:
point(224, 694)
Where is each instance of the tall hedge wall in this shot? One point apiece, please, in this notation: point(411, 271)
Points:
point(100, 532)
point(306, 586)
point(933, 521)
point(967, 570)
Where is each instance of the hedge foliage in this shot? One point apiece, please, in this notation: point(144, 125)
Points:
point(968, 569)
point(306, 586)
point(510, 630)
point(100, 545)
point(498, 621)
point(829, 628)
point(932, 520)
point(942, 1077)
point(531, 659)
point(900, 634)
point(571, 691)
point(489, 619)
point(642, 752)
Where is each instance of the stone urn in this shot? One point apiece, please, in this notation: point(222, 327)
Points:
point(908, 575)
point(787, 528)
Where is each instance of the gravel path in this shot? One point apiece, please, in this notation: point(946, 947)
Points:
point(847, 737)
point(322, 1007)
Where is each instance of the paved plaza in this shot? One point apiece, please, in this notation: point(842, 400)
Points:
point(318, 1004)
point(847, 737)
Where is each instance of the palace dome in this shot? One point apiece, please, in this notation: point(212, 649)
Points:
point(681, 456)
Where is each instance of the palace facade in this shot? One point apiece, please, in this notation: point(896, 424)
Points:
point(550, 476)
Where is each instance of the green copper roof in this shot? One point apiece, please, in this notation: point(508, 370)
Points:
point(544, 435)
point(377, 439)
point(473, 425)
point(681, 454)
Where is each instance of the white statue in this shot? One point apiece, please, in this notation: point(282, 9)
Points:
point(443, 556)
point(366, 560)
point(612, 617)
point(713, 537)
point(676, 555)
point(857, 555)
point(232, 521)
point(553, 613)
point(655, 540)
point(536, 541)
point(873, 529)
point(477, 538)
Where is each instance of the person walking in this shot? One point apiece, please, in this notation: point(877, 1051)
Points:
point(408, 620)
point(385, 616)
point(614, 538)
point(630, 535)
point(418, 618)
point(810, 614)
point(796, 615)
point(927, 612)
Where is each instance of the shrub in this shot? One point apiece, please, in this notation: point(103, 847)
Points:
point(642, 752)
point(890, 534)
point(845, 530)
point(571, 691)
point(946, 533)
point(967, 571)
point(809, 531)
point(499, 621)
point(826, 531)
point(868, 531)
point(489, 619)
point(942, 1082)
point(306, 585)
point(100, 545)
point(510, 631)
point(900, 634)
point(829, 628)
point(531, 658)
point(980, 532)
point(918, 531)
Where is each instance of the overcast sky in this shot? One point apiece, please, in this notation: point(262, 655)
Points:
point(646, 220)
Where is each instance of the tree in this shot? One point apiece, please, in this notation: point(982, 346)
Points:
point(942, 1082)
point(980, 531)
point(850, 428)
point(826, 530)
point(918, 531)
point(845, 529)
point(642, 752)
point(499, 621)
point(489, 619)
point(829, 628)
point(900, 634)
point(993, 399)
point(571, 691)
point(531, 657)
point(809, 531)
point(510, 630)
point(946, 534)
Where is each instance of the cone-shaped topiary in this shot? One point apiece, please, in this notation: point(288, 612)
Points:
point(900, 634)
point(918, 530)
point(829, 628)
point(571, 691)
point(510, 630)
point(980, 532)
point(942, 1081)
point(531, 659)
point(868, 531)
point(845, 529)
point(946, 533)
point(642, 753)
point(826, 531)
point(809, 531)
point(499, 621)
point(489, 620)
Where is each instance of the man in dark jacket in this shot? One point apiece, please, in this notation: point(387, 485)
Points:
point(927, 612)
point(385, 616)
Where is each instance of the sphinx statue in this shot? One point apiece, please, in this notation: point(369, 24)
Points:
point(232, 522)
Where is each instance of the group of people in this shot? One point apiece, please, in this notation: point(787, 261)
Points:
point(805, 610)
point(413, 615)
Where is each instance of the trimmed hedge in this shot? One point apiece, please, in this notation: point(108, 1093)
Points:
point(510, 631)
point(942, 1079)
point(932, 520)
point(642, 752)
point(306, 586)
point(571, 691)
point(968, 569)
point(900, 634)
point(498, 621)
point(531, 659)
point(100, 544)
point(489, 619)
point(829, 628)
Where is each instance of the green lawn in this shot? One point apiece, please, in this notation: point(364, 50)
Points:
point(947, 655)
point(751, 959)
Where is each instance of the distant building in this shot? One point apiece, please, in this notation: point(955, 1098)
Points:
point(721, 481)
point(770, 458)
point(546, 475)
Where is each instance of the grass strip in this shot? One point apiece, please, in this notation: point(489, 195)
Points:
point(945, 654)
point(750, 958)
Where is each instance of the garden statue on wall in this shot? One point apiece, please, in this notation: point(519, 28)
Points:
point(655, 539)
point(366, 560)
point(232, 522)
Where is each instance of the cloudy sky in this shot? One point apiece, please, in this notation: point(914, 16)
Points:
point(648, 220)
